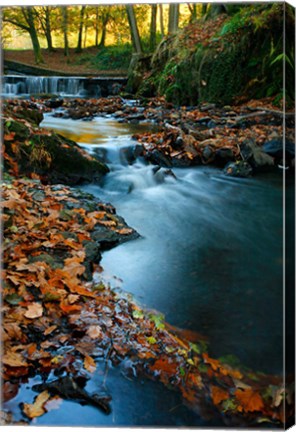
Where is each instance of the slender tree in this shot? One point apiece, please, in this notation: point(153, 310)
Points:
point(97, 27)
point(81, 23)
point(43, 14)
point(25, 19)
point(153, 27)
point(65, 29)
point(173, 18)
point(161, 20)
point(204, 9)
point(136, 41)
point(105, 20)
point(193, 11)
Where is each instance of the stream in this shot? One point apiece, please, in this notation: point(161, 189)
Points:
point(209, 258)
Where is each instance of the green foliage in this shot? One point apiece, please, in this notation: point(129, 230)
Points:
point(243, 57)
point(108, 58)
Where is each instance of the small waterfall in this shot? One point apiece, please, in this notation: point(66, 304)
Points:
point(18, 85)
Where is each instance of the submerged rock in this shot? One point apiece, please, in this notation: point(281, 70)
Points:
point(238, 169)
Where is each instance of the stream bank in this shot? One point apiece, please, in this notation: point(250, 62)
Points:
point(152, 349)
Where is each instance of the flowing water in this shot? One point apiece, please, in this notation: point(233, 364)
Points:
point(209, 258)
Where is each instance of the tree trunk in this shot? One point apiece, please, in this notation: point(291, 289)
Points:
point(105, 20)
point(97, 27)
point(29, 15)
point(173, 18)
point(161, 20)
point(136, 41)
point(85, 35)
point(65, 30)
point(48, 29)
point(79, 42)
point(153, 27)
point(193, 11)
point(204, 9)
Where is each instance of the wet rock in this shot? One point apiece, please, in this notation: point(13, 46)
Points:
point(92, 255)
point(158, 158)
point(55, 158)
point(275, 148)
point(208, 154)
point(54, 103)
point(106, 238)
point(223, 156)
point(238, 169)
point(32, 115)
point(255, 156)
point(20, 130)
point(178, 143)
point(52, 260)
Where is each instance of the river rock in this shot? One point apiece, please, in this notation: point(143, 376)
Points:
point(53, 157)
point(275, 148)
point(255, 156)
point(223, 156)
point(158, 158)
point(238, 169)
point(208, 154)
point(54, 103)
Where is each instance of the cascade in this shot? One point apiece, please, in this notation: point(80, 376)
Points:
point(18, 85)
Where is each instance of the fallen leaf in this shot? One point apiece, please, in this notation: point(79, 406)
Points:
point(50, 330)
point(89, 364)
point(37, 408)
point(124, 231)
point(249, 400)
point(35, 310)
point(95, 332)
point(9, 391)
point(13, 359)
point(218, 395)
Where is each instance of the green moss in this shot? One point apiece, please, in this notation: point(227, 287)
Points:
point(243, 58)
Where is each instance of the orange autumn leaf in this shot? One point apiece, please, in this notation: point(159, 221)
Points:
point(124, 231)
point(107, 223)
point(70, 308)
point(164, 365)
point(79, 290)
point(218, 395)
point(14, 359)
point(249, 400)
point(89, 364)
point(37, 408)
point(9, 137)
point(215, 364)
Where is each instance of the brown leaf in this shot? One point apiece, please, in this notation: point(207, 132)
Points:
point(249, 400)
point(50, 330)
point(37, 408)
point(35, 310)
point(89, 364)
point(95, 332)
point(218, 395)
point(13, 359)
point(124, 231)
point(9, 391)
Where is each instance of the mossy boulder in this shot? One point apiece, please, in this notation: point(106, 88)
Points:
point(54, 158)
point(223, 58)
